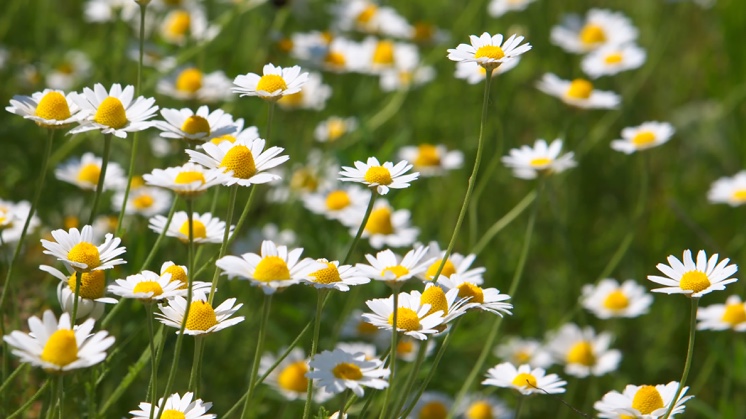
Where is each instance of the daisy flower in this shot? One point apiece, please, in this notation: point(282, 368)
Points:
point(520, 351)
point(58, 347)
point(75, 250)
point(407, 347)
point(384, 226)
point(182, 24)
point(474, 73)
point(355, 327)
point(202, 317)
point(144, 200)
point(448, 303)
point(694, 279)
point(406, 77)
point(600, 27)
point(432, 160)
point(338, 370)
point(497, 8)
point(456, 264)
point(113, 112)
point(108, 10)
point(91, 295)
point(272, 269)
point(432, 404)
point(379, 55)
point(188, 180)
point(489, 51)
point(189, 83)
point(85, 172)
point(289, 377)
point(196, 127)
point(176, 407)
point(205, 227)
point(312, 95)
point(343, 203)
point(648, 135)
point(148, 286)
point(610, 299)
point(645, 402)
point(613, 59)
point(486, 299)
point(274, 83)
point(389, 267)
point(524, 379)
point(541, 159)
point(582, 352)
point(48, 108)
point(343, 55)
point(334, 276)
point(250, 132)
point(379, 176)
point(729, 190)
point(74, 67)
point(579, 93)
point(245, 159)
point(482, 406)
point(370, 17)
point(412, 318)
point(13, 216)
point(333, 128)
point(731, 315)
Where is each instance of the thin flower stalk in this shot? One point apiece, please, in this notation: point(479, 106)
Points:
point(78, 279)
point(153, 361)
point(321, 294)
point(101, 177)
point(410, 380)
point(226, 233)
point(689, 354)
point(31, 400)
point(392, 358)
point(258, 353)
point(360, 229)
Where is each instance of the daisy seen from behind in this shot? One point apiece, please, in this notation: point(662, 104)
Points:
point(578, 92)
point(195, 127)
point(337, 371)
point(333, 128)
point(645, 402)
point(613, 59)
point(334, 276)
point(524, 379)
point(729, 190)
point(489, 51)
point(382, 177)
point(412, 318)
point(274, 83)
point(91, 295)
point(49, 108)
point(599, 28)
point(610, 299)
point(731, 315)
point(203, 318)
point(76, 250)
point(187, 181)
point(114, 111)
point(583, 352)
point(694, 279)
point(392, 268)
point(148, 286)
point(529, 162)
point(485, 299)
point(205, 227)
point(57, 346)
point(647, 135)
point(176, 407)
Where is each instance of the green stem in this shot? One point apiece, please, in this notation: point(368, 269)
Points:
point(101, 178)
point(12, 376)
point(194, 376)
point(78, 280)
point(153, 365)
point(360, 229)
point(519, 406)
point(392, 354)
point(241, 219)
point(410, 380)
point(503, 222)
point(314, 347)
point(270, 115)
point(689, 354)
point(31, 400)
point(61, 396)
point(226, 233)
point(157, 243)
point(343, 405)
point(258, 353)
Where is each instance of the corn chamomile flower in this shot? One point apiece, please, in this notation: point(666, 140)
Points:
point(694, 279)
point(432, 404)
point(189, 83)
point(144, 200)
point(379, 176)
point(333, 128)
point(356, 327)
point(274, 83)
point(370, 17)
point(731, 315)
point(147, 286)
point(388, 266)
point(729, 190)
point(456, 264)
point(384, 226)
point(109, 10)
point(486, 299)
point(519, 351)
point(582, 352)
point(489, 51)
point(342, 203)
point(343, 55)
point(412, 318)
point(13, 216)
point(205, 227)
point(272, 269)
point(58, 347)
point(182, 24)
point(179, 274)
point(75, 250)
point(448, 303)
point(176, 407)
point(524, 379)
point(497, 8)
point(579, 93)
point(91, 295)
point(613, 59)
point(71, 70)
point(541, 159)
point(432, 159)
point(196, 127)
point(85, 172)
point(337, 371)
point(648, 135)
point(188, 180)
point(245, 159)
point(600, 27)
point(644, 402)
point(474, 73)
point(289, 377)
point(312, 95)
point(482, 406)
point(114, 111)
point(48, 108)
point(203, 318)
point(407, 347)
point(610, 299)
point(334, 276)
point(379, 55)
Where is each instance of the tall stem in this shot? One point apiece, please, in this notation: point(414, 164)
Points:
point(258, 353)
point(78, 280)
point(360, 229)
point(194, 376)
point(101, 178)
point(689, 355)
point(224, 245)
point(314, 347)
point(31, 400)
point(392, 354)
point(61, 396)
point(412, 376)
point(519, 406)
point(153, 364)
point(157, 243)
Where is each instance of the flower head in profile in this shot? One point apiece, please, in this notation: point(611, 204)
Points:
point(334, 276)
point(148, 286)
point(195, 127)
point(447, 302)
point(333, 128)
point(432, 404)
point(289, 377)
point(58, 347)
point(176, 407)
point(184, 23)
point(524, 351)
point(190, 83)
point(729, 190)
point(599, 28)
point(384, 227)
point(91, 293)
point(731, 315)
point(203, 318)
point(337, 371)
point(392, 268)
point(76, 250)
point(489, 51)
point(86, 171)
point(188, 180)
point(412, 317)
point(274, 83)
point(610, 299)
point(49, 108)
point(613, 59)
point(524, 379)
point(456, 264)
point(694, 279)
point(113, 111)
point(583, 352)
point(485, 299)
point(645, 402)
point(380, 176)
point(579, 93)
point(529, 162)
point(432, 159)
point(144, 200)
point(205, 227)
point(648, 135)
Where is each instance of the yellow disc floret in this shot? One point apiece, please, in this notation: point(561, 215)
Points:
point(179, 24)
point(740, 195)
point(177, 274)
point(524, 380)
point(383, 55)
point(271, 83)
point(592, 34)
point(540, 162)
point(143, 201)
point(479, 410)
point(433, 410)
point(201, 316)
point(367, 14)
point(196, 124)
point(335, 59)
point(437, 300)
point(734, 314)
point(198, 229)
point(647, 399)
point(582, 353)
point(347, 371)
point(427, 156)
point(694, 281)
point(293, 377)
point(336, 128)
point(186, 177)
point(189, 80)
point(337, 200)
point(328, 275)
point(148, 286)
point(85, 253)
point(294, 100)
point(448, 269)
point(239, 159)
point(397, 270)
point(467, 289)
point(643, 138)
point(172, 414)
point(271, 268)
point(92, 284)
point(405, 319)
point(614, 58)
point(379, 222)
point(61, 348)
point(111, 113)
point(53, 106)
point(580, 89)
point(404, 346)
point(378, 175)
point(90, 173)
point(493, 52)
point(616, 300)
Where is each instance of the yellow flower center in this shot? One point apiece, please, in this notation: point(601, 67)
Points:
point(111, 113)
point(92, 284)
point(304, 180)
point(540, 162)
point(241, 161)
point(347, 371)
point(479, 410)
point(643, 138)
point(616, 300)
point(293, 100)
point(61, 348)
point(70, 221)
point(581, 353)
point(614, 58)
point(148, 286)
point(384, 53)
point(467, 289)
point(448, 269)
point(271, 268)
point(189, 80)
point(367, 14)
point(378, 175)
point(695, 281)
point(404, 346)
point(177, 274)
point(335, 59)
point(490, 51)
point(86, 253)
point(186, 177)
point(405, 319)
point(337, 200)
point(201, 316)
point(89, 173)
point(327, 275)
point(180, 23)
point(433, 410)
point(53, 106)
point(592, 34)
point(365, 328)
point(172, 414)
point(427, 156)
point(226, 137)
point(437, 300)
point(522, 357)
point(293, 377)
point(271, 83)
point(580, 89)
point(524, 380)
point(397, 270)
point(143, 201)
point(423, 32)
point(198, 229)
point(647, 399)
point(740, 195)
point(734, 314)
point(285, 44)
point(379, 222)
point(196, 124)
